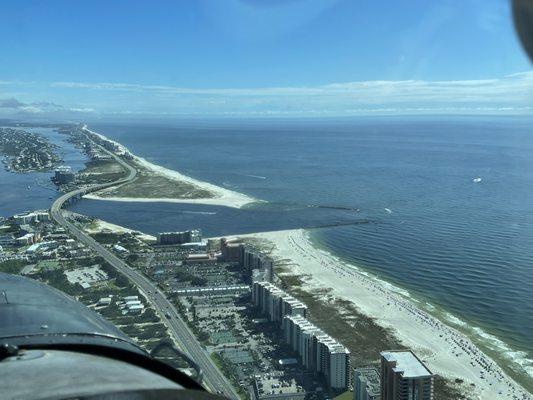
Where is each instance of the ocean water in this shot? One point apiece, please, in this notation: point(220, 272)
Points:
point(461, 247)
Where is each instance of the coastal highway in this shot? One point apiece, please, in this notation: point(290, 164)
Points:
point(213, 377)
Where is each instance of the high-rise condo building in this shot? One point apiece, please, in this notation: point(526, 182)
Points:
point(405, 377)
point(366, 384)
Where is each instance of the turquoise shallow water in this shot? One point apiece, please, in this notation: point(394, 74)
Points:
point(463, 248)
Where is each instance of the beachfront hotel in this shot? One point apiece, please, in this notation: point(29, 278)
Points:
point(276, 303)
point(230, 250)
point(250, 259)
point(318, 351)
point(333, 361)
point(405, 377)
point(170, 238)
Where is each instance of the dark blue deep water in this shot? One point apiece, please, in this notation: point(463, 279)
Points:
point(463, 249)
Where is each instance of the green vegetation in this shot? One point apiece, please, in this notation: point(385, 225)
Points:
point(198, 281)
point(106, 238)
point(148, 315)
point(57, 279)
point(344, 396)
point(48, 264)
point(85, 262)
point(445, 389)
point(12, 266)
point(230, 371)
point(152, 331)
point(145, 332)
point(100, 171)
point(122, 281)
point(102, 167)
point(166, 354)
point(183, 276)
point(108, 289)
point(151, 185)
point(10, 228)
point(361, 334)
point(132, 258)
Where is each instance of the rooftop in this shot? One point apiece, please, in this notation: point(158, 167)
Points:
point(407, 363)
point(86, 276)
point(271, 385)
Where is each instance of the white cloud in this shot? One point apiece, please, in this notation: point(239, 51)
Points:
point(31, 109)
point(509, 94)
point(82, 110)
point(512, 84)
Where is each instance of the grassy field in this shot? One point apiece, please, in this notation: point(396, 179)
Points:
point(102, 167)
point(12, 266)
point(344, 396)
point(102, 171)
point(48, 264)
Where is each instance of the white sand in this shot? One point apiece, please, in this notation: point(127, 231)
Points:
point(214, 201)
point(222, 196)
point(104, 226)
point(446, 351)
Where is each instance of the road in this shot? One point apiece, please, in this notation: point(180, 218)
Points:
point(213, 377)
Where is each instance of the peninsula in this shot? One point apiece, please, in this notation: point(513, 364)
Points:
point(153, 183)
point(233, 304)
point(26, 151)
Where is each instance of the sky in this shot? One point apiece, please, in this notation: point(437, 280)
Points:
point(98, 59)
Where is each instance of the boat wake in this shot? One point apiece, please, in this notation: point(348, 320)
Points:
point(254, 176)
point(335, 207)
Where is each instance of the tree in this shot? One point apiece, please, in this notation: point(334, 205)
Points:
point(122, 281)
point(198, 281)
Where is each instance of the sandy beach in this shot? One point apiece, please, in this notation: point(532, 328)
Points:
point(104, 226)
point(221, 196)
point(226, 201)
point(446, 351)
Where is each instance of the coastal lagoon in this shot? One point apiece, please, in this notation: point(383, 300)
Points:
point(34, 190)
point(449, 204)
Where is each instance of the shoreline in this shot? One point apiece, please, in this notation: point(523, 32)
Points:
point(446, 350)
point(104, 226)
point(494, 346)
point(225, 202)
point(222, 196)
